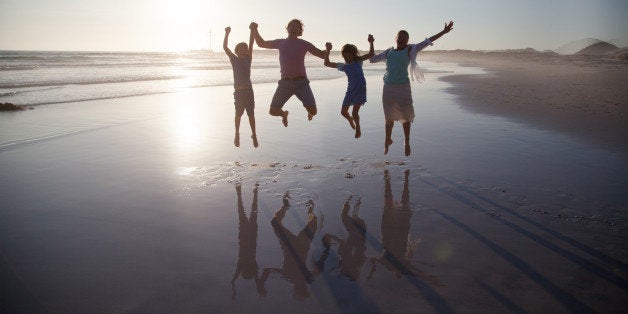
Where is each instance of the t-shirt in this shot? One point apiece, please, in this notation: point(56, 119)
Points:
point(241, 71)
point(292, 56)
point(397, 63)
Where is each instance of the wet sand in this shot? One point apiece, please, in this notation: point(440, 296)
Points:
point(144, 205)
point(580, 95)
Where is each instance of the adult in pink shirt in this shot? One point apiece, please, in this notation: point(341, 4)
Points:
point(294, 80)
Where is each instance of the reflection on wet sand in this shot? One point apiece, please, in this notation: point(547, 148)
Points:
point(295, 250)
point(346, 289)
point(247, 264)
point(352, 250)
point(398, 250)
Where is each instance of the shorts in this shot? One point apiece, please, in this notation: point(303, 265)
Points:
point(244, 100)
point(397, 102)
point(288, 87)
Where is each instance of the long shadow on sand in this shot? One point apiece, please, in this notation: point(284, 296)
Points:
point(595, 269)
point(565, 298)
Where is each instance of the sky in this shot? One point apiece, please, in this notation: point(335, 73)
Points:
point(180, 25)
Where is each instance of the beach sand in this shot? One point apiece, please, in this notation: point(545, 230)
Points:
point(583, 95)
point(144, 205)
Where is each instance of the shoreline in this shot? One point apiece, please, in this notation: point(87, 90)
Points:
point(581, 96)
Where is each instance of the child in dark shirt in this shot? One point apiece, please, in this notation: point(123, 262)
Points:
point(243, 94)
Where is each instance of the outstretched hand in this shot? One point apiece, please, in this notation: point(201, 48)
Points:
point(371, 38)
point(253, 26)
point(228, 29)
point(448, 27)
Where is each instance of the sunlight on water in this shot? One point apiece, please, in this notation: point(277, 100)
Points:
point(187, 124)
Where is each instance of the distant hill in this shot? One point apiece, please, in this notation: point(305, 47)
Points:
point(621, 43)
point(575, 46)
point(598, 49)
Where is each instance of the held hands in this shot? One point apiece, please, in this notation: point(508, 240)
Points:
point(371, 39)
point(253, 26)
point(227, 29)
point(328, 46)
point(448, 27)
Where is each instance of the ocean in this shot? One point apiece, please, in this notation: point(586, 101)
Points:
point(34, 78)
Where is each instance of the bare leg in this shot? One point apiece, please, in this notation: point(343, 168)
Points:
point(406, 133)
point(278, 112)
point(356, 119)
point(405, 196)
point(253, 133)
point(388, 141)
point(254, 204)
point(345, 113)
point(236, 140)
point(281, 212)
point(311, 112)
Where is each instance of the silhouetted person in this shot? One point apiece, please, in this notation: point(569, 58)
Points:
point(295, 250)
point(292, 51)
point(356, 89)
point(243, 95)
point(247, 236)
point(397, 94)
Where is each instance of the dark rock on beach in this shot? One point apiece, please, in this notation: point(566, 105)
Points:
point(7, 106)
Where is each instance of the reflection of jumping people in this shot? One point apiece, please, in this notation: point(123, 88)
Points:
point(295, 250)
point(398, 251)
point(243, 94)
point(247, 235)
point(294, 80)
point(352, 250)
point(397, 95)
point(356, 90)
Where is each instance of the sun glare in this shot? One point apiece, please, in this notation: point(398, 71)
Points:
point(185, 24)
point(186, 125)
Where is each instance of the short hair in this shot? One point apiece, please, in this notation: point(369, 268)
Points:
point(295, 21)
point(241, 45)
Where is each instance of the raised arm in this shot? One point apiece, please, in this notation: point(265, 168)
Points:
point(225, 43)
point(448, 27)
point(258, 38)
point(327, 63)
point(251, 40)
point(317, 52)
point(371, 53)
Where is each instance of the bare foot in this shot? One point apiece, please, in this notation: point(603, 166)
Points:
point(284, 118)
point(388, 142)
point(408, 150)
point(254, 137)
point(309, 117)
point(358, 133)
point(236, 140)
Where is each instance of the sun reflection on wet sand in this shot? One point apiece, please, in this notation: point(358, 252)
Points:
point(195, 123)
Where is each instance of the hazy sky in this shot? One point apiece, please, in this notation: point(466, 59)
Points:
point(175, 25)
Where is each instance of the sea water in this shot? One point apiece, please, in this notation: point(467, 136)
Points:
point(33, 78)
